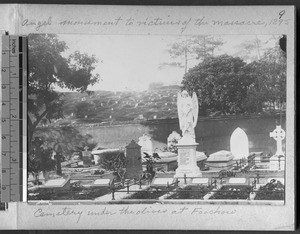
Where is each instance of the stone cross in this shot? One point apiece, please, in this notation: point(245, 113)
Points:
point(278, 134)
point(86, 157)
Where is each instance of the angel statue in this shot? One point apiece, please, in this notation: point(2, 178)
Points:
point(188, 113)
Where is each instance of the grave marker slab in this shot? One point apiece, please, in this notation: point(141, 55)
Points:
point(59, 184)
point(200, 181)
point(102, 182)
point(221, 160)
point(162, 181)
point(237, 181)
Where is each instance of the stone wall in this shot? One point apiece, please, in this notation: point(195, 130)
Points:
point(212, 134)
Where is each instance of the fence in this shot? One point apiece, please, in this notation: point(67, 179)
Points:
point(211, 187)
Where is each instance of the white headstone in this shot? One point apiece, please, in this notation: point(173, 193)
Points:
point(146, 144)
point(200, 181)
point(162, 181)
point(239, 145)
point(102, 182)
point(55, 183)
point(278, 134)
point(237, 181)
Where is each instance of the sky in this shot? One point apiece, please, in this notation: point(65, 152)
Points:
point(131, 62)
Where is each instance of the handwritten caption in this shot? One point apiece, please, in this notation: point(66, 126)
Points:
point(181, 24)
point(77, 214)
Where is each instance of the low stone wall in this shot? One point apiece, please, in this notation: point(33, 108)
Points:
point(212, 134)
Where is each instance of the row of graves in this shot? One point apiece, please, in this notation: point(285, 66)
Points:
point(222, 178)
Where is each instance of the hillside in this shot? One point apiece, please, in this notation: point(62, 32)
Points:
point(107, 106)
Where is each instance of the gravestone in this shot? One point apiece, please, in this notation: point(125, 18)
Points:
point(101, 183)
point(203, 181)
point(239, 145)
point(57, 184)
point(133, 161)
point(86, 157)
point(278, 134)
point(146, 145)
point(277, 161)
point(162, 181)
point(241, 181)
point(221, 160)
point(173, 139)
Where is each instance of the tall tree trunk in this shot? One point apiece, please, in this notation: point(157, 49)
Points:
point(185, 61)
point(58, 163)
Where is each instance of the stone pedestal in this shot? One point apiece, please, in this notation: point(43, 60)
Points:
point(187, 162)
point(277, 163)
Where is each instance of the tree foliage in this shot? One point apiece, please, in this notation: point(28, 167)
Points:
point(40, 158)
point(192, 48)
point(49, 68)
point(115, 162)
point(228, 85)
point(220, 83)
point(63, 141)
point(268, 90)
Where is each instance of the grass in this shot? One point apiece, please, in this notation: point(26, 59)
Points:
point(235, 192)
point(148, 194)
point(271, 191)
point(80, 193)
point(190, 192)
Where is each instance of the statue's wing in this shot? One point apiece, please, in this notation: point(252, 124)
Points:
point(179, 109)
point(195, 108)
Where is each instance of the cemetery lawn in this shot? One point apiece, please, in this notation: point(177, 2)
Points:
point(80, 193)
point(190, 192)
point(148, 194)
point(271, 191)
point(232, 192)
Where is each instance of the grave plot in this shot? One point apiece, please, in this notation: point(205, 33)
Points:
point(198, 188)
point(74, 192)
point(150, 193)
point(235, 189)
point(190, 192)
point(158, 188)
point(233, 192)
point(273, 190)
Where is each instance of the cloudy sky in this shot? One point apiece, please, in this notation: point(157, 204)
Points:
point(131, 62)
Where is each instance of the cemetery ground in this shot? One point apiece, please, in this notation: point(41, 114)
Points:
point(81, 184)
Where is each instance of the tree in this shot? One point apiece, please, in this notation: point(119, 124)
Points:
point(115, 162)
point(221, 84)
point(192, 48)
point(62, 141)
point(268, 91)
point(40, 159)
point(49, 68)
point(150, 160)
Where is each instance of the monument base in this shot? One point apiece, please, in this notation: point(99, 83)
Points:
point(187, 162)
point(277, 163)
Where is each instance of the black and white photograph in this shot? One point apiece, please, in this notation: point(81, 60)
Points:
point(149, 119)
